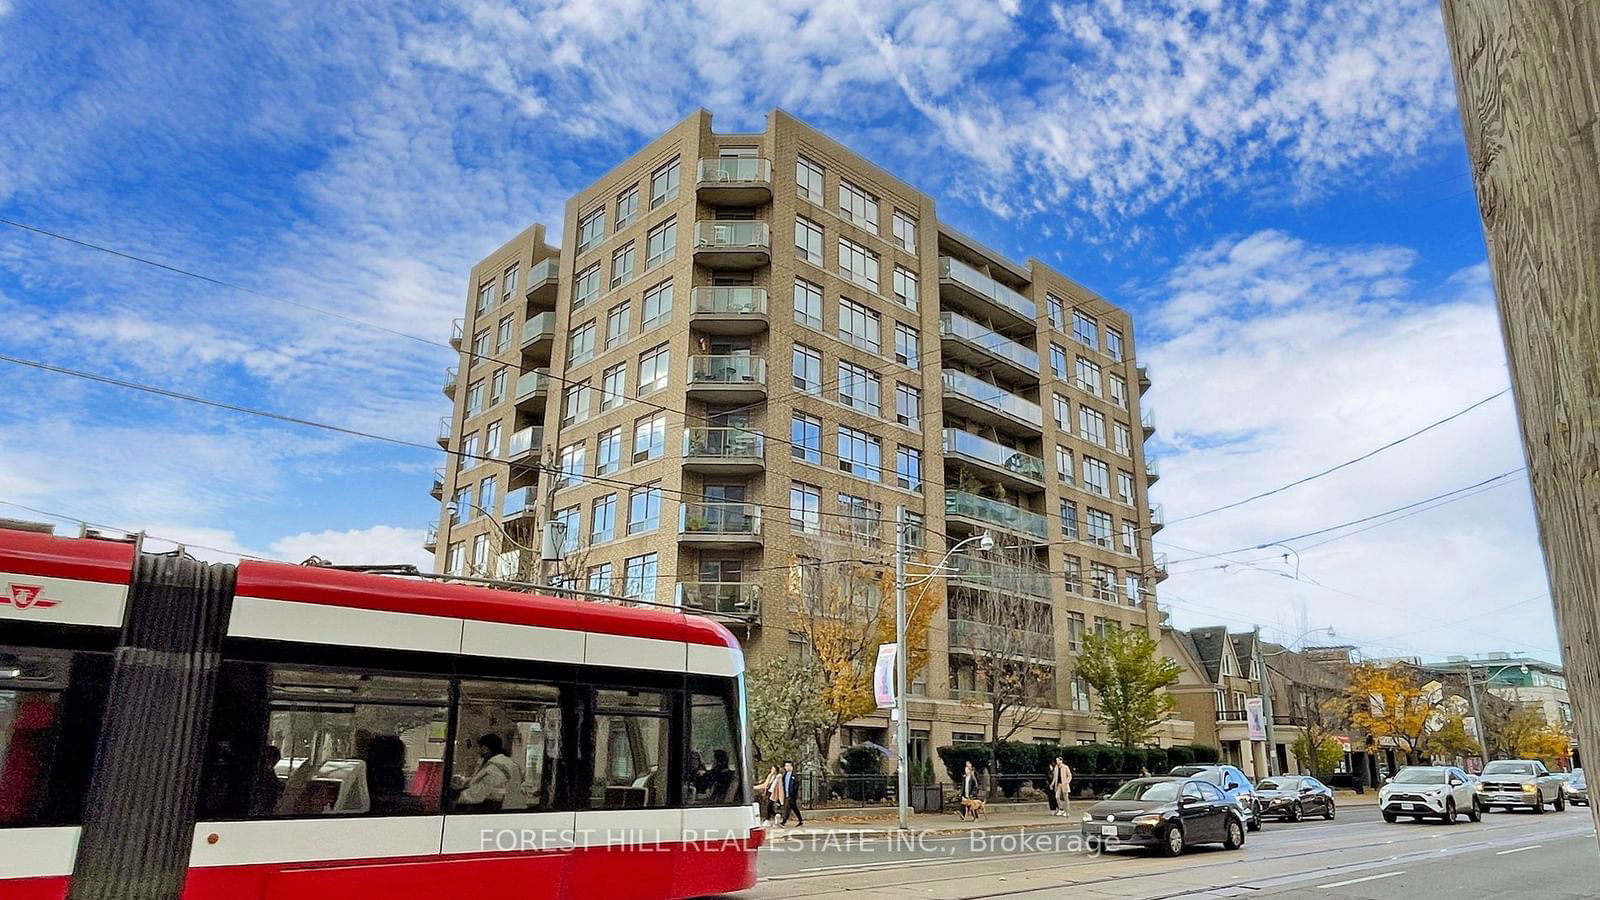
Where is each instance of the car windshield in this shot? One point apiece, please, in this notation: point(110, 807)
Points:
point(1157, 791)
point(1419, 775)
point(1504, 767)
point(1279, 784)
point(1577, 775)
point(1186, 771)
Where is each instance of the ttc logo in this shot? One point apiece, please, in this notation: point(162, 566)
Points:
point(26, 596)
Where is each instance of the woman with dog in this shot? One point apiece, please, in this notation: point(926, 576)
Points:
point(969, 792)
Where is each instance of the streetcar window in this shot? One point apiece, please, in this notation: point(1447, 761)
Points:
point(713, 775)
point(507, 753)
point(51, 702)
point(290, 741)
point(631, 736)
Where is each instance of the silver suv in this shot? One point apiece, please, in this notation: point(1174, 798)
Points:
point(1510, 783)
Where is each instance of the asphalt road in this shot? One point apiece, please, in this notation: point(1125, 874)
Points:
point(1356, 856)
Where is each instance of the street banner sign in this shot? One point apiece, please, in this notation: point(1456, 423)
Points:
point(1256, 718)
point(883, 677)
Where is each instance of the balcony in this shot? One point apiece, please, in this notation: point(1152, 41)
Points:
point(728, 310)
point(1027, 645)
point(521, 506)
point(538, 337)
point(719, 526)
point(980, 401)
point(734, 181)
point(1144, 377)
point(1158, 567)
point(542, 283)
point(724, 451)
point(444, 432)
point(982, 513)
point(980, 346)
point(437, 489)
point(533, 388)
point(1158, 518)
point(965, 284)
point(735, 598)
point(450, 379)
point(457, 333)
point(732, 244)
point(1017, 469)
point(430, 538)
point(1152, 471)
point(526, 446)
point(727, 378)
point(1147, 421)
point(976, 571)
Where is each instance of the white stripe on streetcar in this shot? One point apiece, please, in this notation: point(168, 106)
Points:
point(1518, 849)
point(1357, 880)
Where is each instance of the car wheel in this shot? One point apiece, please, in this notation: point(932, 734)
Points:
point(1173, 845)
point(1296, 813)
point(1235, 836)
point(1538, 804)
point(1255, 823)
point(1450, 812)
point(1475, 814)
point(1328, 813)
point(1390, 817)
point(1561, 802)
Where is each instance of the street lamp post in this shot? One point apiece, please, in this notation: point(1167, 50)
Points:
point(1472, 697)
point(902, 730)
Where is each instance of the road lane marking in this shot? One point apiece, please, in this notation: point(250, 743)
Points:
point(1518, 849)
point(1335, 884)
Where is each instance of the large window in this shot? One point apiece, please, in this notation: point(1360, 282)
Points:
point(1099, 527)
point(652, 370)
point(627, 207)
point(644, 509)
point(860, 454)
point(573, 464)
point(805, 436)
point(632, 732)
point(906, 343)
point(905, 286)
point(807, 303)
point(657, 306)
point(808, 179)
point(661, 244)
point(1096, 476)
point(1117, 386)
point(639, 577)
point(863, 518)
point(1056, 311)
point(1124, 439)
point(580, 345)
point(664, 184)
point(1064, 464)
point(603, 521)
point(1114, 344)
point(807, 364)
point(713, 776)
point(858, 264)
point(649, 437)
point(474, 401)
point(51, 703)
point(486, 296)
point(591, 228)
point(859, 325)
point(608, 451)
point(908, 468)
point(908, 405)
point(586, 286)
point(858, 206)
point(1085, 330)
point(858, 387)
point(1088, 377)
point(617, 324)
point(568, 523)
point(905, 231)
point(613, 386)
point(507, 753)
point(805, 508)
point(1069, 519)
point(497, 387)
point(1091, 425)
point(1125, 487)
point(1058, 362)
point(808, 240)
point(575, 403)
point(622, 265)
point(503, 332)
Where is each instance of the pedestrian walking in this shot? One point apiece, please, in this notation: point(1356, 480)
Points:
point(970, 801)
point(1061, 787)
point(790, 783)
point(770, 790)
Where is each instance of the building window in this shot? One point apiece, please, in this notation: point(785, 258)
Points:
point(617, 324)
point(805, 508)
point(1080, 694)
point(863, 518)
point(622, 265)
point(575, 403)
point(1124, 440)
point(487, 489)
point(664, 184)
point(1063, 464)
point(1091, 425)
point(807, 304)
point(859, 325)
point(1125, 487)
point(568, 524)
point(503, 332)
point(657, 306)
point(1075, 629)
point(603, 521)
point(474, 403)
point(1063, 412)
point(644, 509)
point(905, 344)
point(1084, 330)
point(805, 436)
point(905, 232)
point(1098, 523)
point(1069, 519)
point(455, 559)
point(1114, 344)
point(627, 207)
point(808, 240)
point(858, 388)
point(591, 229)
point(649, 437)
point(613, 386)
point(497, 387)
point(608, 451)
point(1056, 311)
point(908, 468)
point(808, 179)
point(573, 464)
point(491, 440)
point(661, 244)
point(639, 578)
point(469, 451)
point(653, 370)
point(1104, 580)
point(580, 345)
point(464, 510)
point(915, 531)
point(1096, 476)
point(1119, 391)
point(1058, 362)
point(859, 454)
point(1130, 538)
point(587, 286)
point(858, 206)
point(600, 577)
point(485, 297)
point(480, 344)
point(858, 264)
point(1088, 377)
point(1074, 581)
point(905, 286)
point(908, 405)
point(807, 363)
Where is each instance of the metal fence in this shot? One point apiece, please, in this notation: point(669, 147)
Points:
point(827, 791)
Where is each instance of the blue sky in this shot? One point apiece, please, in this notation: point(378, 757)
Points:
point(1278, 191)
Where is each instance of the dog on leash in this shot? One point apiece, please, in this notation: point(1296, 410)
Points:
point(971, 806)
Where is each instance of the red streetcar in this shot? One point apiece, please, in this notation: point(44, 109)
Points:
point(176, 728)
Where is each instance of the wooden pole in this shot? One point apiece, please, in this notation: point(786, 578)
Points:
point(1528, 81)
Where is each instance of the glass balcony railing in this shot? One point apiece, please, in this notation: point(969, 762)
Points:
point(522, 501)
point(450, 379)
point(535, 382)
point(977, 570)
point(457, 333)
point(720, 596)
point(525, 440)
point(994, 512)
point(538, 328)
point(543, 271)
point(955, 325)
point(729, 301)
point(1158, 516)
point(444, 431)
point(430, 538)
point(952, 269)
point(983, 393)
point(736, 234)
point(723, 443)
point(972, 446)
point(734, 170)
point(987, 636)
point(731, 368)
point(1152, 469)
point(719, 518)
point(1147, 421)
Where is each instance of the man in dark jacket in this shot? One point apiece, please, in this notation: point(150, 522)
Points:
point(791, 795)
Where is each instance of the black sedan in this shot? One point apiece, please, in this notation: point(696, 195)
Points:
point(1293, 797)
point(1167, 813)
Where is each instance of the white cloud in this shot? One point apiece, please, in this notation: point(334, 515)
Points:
point(378, 545)
point(1284, 358)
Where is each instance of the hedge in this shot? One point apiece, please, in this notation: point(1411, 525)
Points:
point(1017, 757)
point(955, 758)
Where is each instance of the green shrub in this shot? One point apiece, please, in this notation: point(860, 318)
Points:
point(861, 760)
point(1015, 757)
point(1205, 755)
point(1080, 758)
point(1179, 756)
point(955, 758)
point(1045, 756)
point(1156, 761)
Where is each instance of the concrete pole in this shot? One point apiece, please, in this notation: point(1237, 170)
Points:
point(1266, 700)
point(902, 733)
point(1477, 719)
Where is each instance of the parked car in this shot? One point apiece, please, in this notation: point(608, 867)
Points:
point(1165, 813)
point(1577, 788)
point(1510, 783)
point(1427, 792)
point(1293, 797)
point(1233, 783)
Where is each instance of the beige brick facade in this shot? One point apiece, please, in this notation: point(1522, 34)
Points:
point(988, 333)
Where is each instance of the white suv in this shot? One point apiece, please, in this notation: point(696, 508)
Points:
point(1429, 791)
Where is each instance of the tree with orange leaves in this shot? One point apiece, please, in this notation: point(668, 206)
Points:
point(1394, 702)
